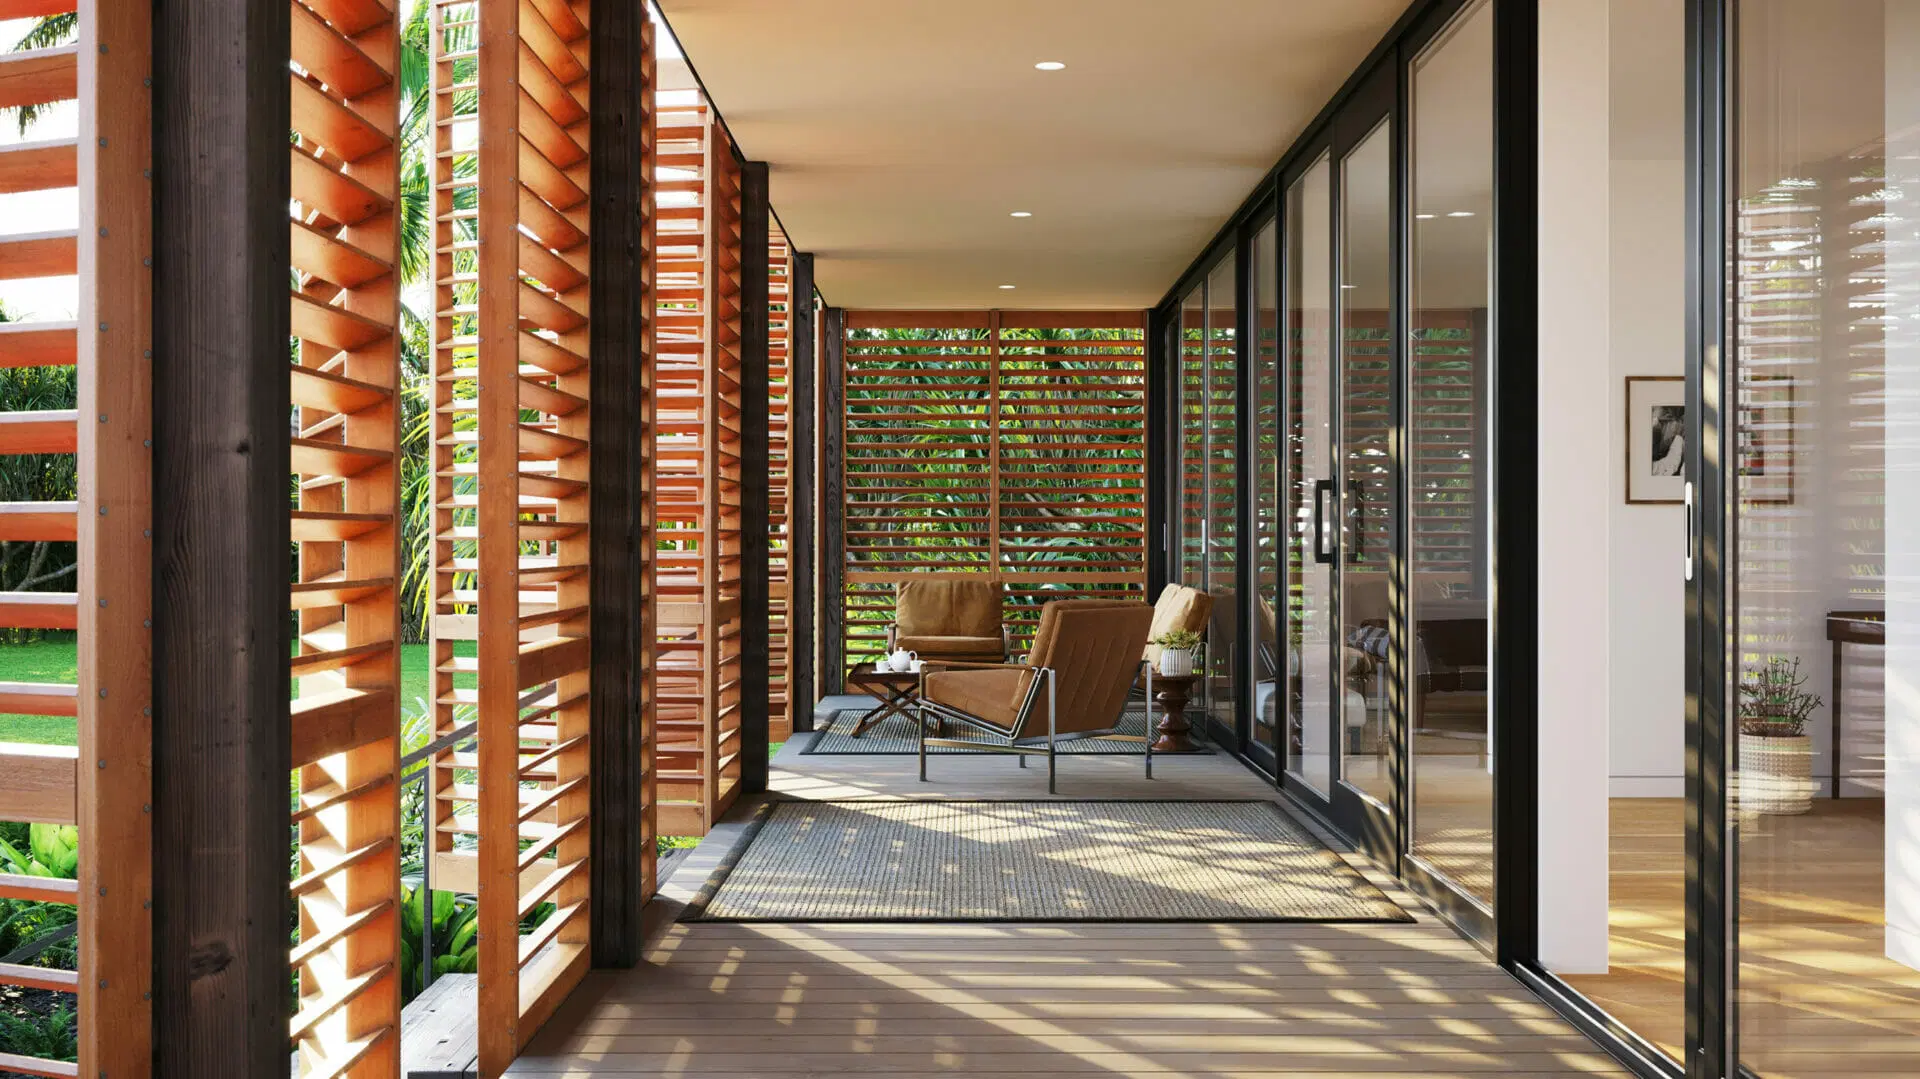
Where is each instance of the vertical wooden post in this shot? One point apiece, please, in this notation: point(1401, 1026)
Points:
point(832, 433)
point(114, 531)
point(623, 436)
point(221, 535)
point(802, 684)
point(755, 489)
point(498, 583)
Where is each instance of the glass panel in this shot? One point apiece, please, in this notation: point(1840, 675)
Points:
point(1223, 462)
point(1448, 501)
point(1268, 541)
point(1365, 490)
point(1825, 469)
point(1189, 565)
point(1309, 464)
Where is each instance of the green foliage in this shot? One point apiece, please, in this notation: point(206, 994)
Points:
point(50, 1036)
point(53, 850)
point(46, 32)
point(1178, 639)
point(456, 940)
point(37, 565)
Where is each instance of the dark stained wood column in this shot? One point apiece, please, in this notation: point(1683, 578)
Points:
point(221, 634)
point(755, 636)
point(621, 340)
point(832, 437)
point(802, 683)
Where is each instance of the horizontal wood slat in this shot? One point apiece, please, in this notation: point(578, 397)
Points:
point(511, 491)
point(1005, 443)
point(344, 385)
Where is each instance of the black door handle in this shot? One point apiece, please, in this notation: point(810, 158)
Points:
point(1321, 489)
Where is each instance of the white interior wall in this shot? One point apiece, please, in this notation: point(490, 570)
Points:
point(1902, 837)
point(1646, 317)
point(1576, 495)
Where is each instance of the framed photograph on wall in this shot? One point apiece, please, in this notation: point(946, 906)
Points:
point(1765, 434)
point(1656, 425)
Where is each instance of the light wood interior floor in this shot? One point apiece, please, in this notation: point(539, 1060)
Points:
point(1818, 997)
point(1039, 1001)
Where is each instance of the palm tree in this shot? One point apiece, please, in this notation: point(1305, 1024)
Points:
point(47, 32)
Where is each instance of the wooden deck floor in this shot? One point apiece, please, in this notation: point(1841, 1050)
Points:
point(1040, 1001)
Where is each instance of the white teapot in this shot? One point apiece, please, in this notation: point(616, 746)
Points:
point(903, 660)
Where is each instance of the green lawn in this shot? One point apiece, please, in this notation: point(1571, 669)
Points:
point(52, 660)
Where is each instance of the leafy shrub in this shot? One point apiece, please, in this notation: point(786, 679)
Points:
point(51, 1035)
point(456, 943)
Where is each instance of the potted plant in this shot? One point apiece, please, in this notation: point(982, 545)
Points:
point(1776, 753)
point(1176, 651)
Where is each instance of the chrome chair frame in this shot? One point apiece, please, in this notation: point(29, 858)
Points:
point(1019, 743)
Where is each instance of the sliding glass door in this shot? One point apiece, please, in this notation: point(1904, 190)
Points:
point(1207, 547)
point(1449, 503)
point(1822, 471)
point(1267, 659)
point(1307, 409)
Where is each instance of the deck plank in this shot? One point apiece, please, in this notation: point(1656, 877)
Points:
point(1062, 999)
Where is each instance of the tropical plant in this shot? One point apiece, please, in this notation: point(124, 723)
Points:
point(47, 32)
point(456, 940)
point(53, 850)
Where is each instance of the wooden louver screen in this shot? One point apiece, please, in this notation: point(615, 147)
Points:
point(698, 512)
point(345, 455)
point(1008, 443)
point(780, 302)
point(510, 612)
point(102, 359)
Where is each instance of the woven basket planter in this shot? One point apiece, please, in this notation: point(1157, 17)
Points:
point(1776, 774)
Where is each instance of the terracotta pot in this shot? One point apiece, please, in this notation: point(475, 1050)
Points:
point(1176, 662)
point(1776, 774)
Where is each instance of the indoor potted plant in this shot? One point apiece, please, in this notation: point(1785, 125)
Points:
point(1776, 753)
point(1176, 651)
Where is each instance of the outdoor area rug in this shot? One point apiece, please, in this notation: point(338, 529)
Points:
point(894, 735)
point(1051, 861)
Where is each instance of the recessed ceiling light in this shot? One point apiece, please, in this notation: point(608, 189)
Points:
point(1460, 213)
point(1424, 217)
point(1021, 213)
point(1349, 286)
point(1050, 65)
point(1006, 286)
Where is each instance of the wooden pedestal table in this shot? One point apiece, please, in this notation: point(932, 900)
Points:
point(1170, 694)
point(897, 690)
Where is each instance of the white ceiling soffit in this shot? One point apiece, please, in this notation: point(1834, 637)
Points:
point(901, 134)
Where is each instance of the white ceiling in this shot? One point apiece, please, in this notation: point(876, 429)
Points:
point(900, 133)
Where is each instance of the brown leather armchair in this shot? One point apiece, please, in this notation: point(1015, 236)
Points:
point(950, 616)
point(1086, 655)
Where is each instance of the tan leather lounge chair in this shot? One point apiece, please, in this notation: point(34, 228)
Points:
point(1086, 654)
point(950, 616)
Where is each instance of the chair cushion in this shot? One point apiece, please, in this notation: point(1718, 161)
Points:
point(974, 648)
point(1094, 645)
point(993, 695)
point(948, 605)
point(1179, 607)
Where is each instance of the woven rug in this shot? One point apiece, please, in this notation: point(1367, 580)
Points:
point(1035, 861)
point(894, 735)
